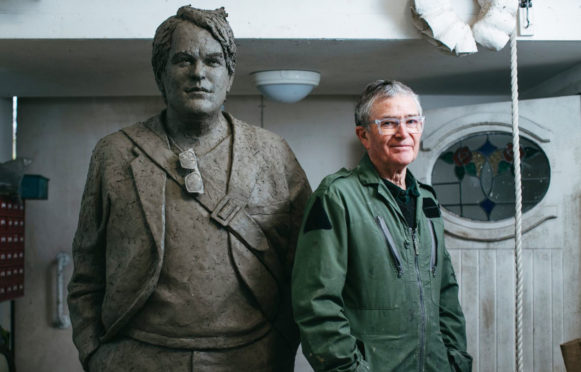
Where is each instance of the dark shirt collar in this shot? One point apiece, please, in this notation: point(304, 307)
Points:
point(400, 194)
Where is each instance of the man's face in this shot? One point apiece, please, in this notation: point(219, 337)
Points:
point(394, 151)
point(196, 78)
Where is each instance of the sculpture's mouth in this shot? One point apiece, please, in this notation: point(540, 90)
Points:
point(197, 90)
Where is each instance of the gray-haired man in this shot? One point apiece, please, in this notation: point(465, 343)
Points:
point(373, 286)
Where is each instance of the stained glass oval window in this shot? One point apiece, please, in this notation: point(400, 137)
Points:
point(474, 178)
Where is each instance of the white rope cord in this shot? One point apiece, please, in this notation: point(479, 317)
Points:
point(518, 208)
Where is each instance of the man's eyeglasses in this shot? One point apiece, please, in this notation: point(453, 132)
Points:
point(413, 124)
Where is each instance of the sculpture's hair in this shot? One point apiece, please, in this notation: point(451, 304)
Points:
point(214, 21)
point(380, 89)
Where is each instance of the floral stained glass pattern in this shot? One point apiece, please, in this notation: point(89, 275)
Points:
point(474, 178)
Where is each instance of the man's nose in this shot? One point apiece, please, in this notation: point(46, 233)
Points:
point(401, 130)
point(198, 70)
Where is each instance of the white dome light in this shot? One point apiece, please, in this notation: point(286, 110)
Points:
point(288, 86)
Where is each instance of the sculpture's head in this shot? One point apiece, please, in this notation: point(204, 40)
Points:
point(194, 58)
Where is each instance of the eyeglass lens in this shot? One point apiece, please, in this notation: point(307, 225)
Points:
point(413, 124)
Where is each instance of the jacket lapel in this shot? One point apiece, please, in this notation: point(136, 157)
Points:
point(153, 162)
point(151, 139)
point(150, 184)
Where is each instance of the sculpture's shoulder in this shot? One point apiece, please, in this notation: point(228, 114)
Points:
point(118, 145)
point(150, 128)
point(110, 146)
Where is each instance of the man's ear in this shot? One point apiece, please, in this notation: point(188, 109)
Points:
point(363, 136)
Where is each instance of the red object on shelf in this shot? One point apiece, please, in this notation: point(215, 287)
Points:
point(11, 248)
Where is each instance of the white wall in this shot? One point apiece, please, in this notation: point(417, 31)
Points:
point(59, 135)
point(366, 19)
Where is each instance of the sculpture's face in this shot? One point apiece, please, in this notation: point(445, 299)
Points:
point(196, 78)
point(397, 150)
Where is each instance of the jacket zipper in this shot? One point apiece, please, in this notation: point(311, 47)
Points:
point(391, 245)
point(434, 256)
point(422, 305)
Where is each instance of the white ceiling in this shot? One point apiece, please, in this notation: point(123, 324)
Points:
point(53, 68)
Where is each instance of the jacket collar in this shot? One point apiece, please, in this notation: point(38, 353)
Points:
point(367, 173)
point(155, 124)
point(369, 176)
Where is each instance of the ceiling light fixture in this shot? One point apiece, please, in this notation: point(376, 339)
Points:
point(288, 86)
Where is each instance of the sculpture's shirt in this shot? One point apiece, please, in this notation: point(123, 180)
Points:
point(199, 301)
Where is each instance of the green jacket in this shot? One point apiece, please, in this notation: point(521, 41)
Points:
point(363, 298)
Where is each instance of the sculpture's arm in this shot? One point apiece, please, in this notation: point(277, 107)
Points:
point(87, 285)
point(299, 193)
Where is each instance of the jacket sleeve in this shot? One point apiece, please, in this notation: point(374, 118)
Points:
point(87, 284)
point(318, 279)
point(452, 324)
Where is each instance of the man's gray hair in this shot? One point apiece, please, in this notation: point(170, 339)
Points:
point(380, 89)
point(214, 21)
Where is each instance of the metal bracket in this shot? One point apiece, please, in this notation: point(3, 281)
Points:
point(63, 321)
point(525, 18)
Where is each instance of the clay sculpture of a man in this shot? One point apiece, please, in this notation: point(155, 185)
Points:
point(188, 223)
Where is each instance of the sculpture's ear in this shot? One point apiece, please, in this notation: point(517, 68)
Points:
point(230, 83)
point(162, 90)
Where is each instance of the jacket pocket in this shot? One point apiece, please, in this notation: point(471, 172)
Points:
point(436, 231)
point(394, 253)
point(372, 281)
point(433, 248)
point(361, 348)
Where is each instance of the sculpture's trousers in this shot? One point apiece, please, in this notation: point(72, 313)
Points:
point(269, 354)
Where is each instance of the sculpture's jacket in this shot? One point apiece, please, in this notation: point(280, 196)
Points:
point(118, 248)
point(370, 293)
